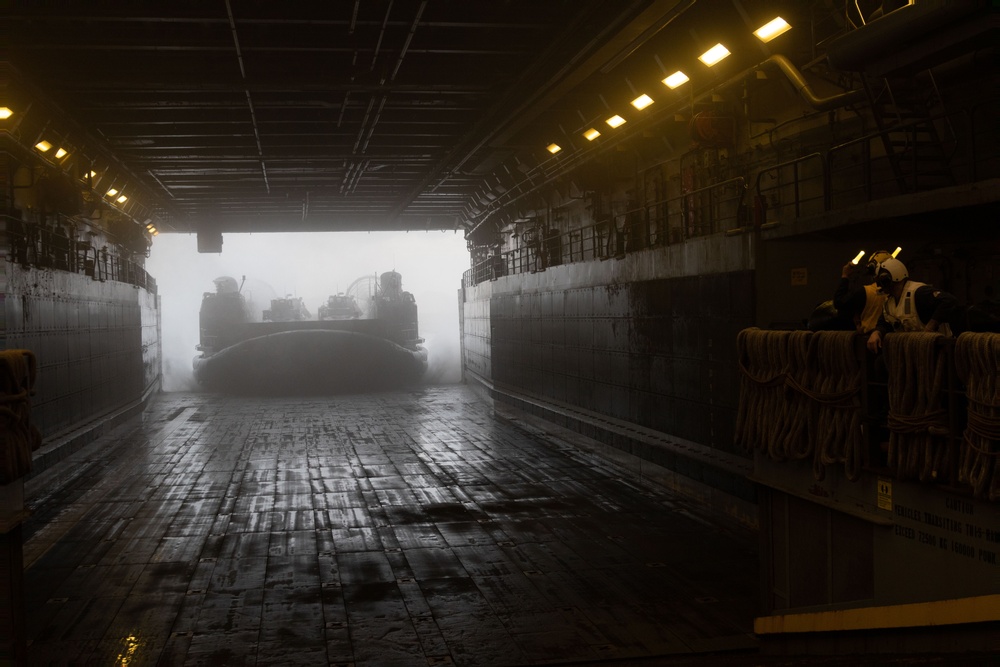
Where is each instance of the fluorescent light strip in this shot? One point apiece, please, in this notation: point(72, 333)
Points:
point(714, 55)
point(642, 101)
point(676, 79)
point(553, 148)
point(591, 134)
point(615, 121)
point(771, 29)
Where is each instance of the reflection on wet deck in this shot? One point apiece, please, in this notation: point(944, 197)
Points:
point(409, 528)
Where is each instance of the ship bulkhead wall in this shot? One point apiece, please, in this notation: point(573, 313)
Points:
point(97, 346)
point(636, 352)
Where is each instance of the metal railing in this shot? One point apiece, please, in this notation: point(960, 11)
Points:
point(708, 210)
point(52, 246)
point(851, 173)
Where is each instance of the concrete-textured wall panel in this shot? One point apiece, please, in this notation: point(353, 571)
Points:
point(659, 353)
point(96, 343)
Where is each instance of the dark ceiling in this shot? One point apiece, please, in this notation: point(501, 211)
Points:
point(256, 115)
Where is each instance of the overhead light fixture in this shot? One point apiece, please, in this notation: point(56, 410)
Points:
point(642, 101)
point(615, 121)
point(771, 29)
point(61, 153)
point(714, 55)
point(553, 148)
point(5, 113)
point(43, 145)
point(591, 134)
point(112, 192)
point(122, 199)
point(676, 79)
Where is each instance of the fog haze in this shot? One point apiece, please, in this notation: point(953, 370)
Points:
point(311, 266)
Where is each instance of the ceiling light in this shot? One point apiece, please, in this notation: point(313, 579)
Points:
point(112, 192)
point(5, 113)
point(591, 134)
point(642, 101)
point(553, 148)
point(121, 200)
point(43, 145)
point(714, 55)
point(615, 121)
point(772, 29)
point(61, 153)
point(676, 79)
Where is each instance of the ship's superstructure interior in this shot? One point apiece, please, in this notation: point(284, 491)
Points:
point(658, 199)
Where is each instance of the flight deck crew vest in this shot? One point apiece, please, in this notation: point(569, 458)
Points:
point(874, 302)
point(902, 315)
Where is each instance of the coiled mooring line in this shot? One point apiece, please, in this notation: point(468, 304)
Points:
point(18, 436)
point(800, 398)
point(918, 419)
point(977, 360)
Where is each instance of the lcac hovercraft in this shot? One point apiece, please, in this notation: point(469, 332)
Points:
point(377, 348)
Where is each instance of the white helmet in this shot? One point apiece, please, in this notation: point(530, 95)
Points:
point(876, 259)
point(891, 271)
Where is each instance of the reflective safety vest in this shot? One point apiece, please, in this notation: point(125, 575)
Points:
point(874, 303)
point(902, 314)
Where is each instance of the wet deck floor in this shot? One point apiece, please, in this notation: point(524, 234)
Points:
point(411, 528)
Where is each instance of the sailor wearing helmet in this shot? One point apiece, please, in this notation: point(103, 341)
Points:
point(911, 306)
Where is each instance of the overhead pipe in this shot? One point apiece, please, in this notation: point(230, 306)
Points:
point(409, 38)
point(253, 115)
point(803, 88)
point(367, 130)
point(872, 41)
point(354, 17)
point(381, 35)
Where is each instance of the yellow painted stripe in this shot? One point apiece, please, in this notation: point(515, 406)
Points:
point(940, 612)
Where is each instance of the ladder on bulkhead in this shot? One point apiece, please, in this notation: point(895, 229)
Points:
point(916, 136)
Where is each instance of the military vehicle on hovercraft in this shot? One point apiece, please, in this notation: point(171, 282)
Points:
point(378, 348)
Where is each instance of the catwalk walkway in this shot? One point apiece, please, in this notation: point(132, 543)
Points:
point(411, 528)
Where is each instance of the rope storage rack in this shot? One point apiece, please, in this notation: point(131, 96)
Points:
point(807, 396)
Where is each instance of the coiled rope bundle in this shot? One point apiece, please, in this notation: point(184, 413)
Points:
point(18, 436)
point(799, 398)
point(838, 430)
point(977, 360)
point(918, 420)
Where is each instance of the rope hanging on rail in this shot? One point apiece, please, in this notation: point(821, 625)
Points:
point(800, 398)
point(18, 436)
point(838, 431)
point(977, 360)
point(918, 419)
